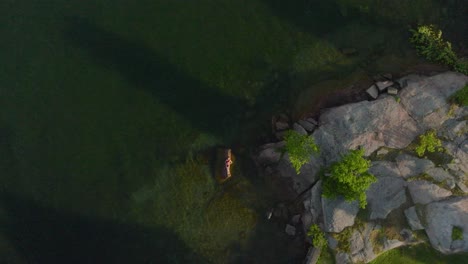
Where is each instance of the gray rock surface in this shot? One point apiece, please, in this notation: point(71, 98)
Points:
point(281, 125)
point(460, 154)
point(425, 98)
point(299, 129)
point(382, 151)
point(332, 242)
point(441, 217)
point(413, 219)
point(342, 258)
point(387, 194)
point(338, 214)
point(392, 90)
point(441, 176)
point(411, 166)
point(384, 169)
point(373, 92)
point(356, 243)
point(361, 245)
point(315, 207)
point(454, 130)
point(309, 127)
point(364, 124)
point(383, 85)
point(424, 192)
point(308, 173)
point(312, 121)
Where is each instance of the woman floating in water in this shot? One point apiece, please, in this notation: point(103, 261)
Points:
point(225, 160)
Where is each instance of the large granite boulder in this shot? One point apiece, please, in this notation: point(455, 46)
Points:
point(425, 98)
point(410, 166)
point(371, 125)
point(424, 192)
point(308, 173)
point(387, 194)
point(338, 214)
point(441, 217)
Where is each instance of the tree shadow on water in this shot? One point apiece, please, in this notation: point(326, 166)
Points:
point(317, 17)
point(45, 235)
point(203, 106)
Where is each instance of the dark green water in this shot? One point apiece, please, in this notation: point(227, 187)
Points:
point(109, 111)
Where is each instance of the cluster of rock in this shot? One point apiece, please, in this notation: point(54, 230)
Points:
point(281, 124)
point(384, 84)
point(418, 193)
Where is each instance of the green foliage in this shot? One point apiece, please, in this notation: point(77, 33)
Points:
point(457, 233)
point(300, 148)
point(461, 96)
point(429, 43)
point(317, 235)
point(349, 178)
point(461, 65)
point(343, 239)
point(422, 253)
point(428, 142)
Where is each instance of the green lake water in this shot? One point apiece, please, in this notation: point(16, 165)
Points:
point(110, 112)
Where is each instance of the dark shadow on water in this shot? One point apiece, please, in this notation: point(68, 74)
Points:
point(45, 235)
point(317, 17)
point(203, 106)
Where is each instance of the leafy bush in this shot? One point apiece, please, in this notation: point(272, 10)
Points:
point(461, 65)
point(428, 142)
point(429, 43)
point(349, 178)
point(317, 235)
point(457, 233)
point(300, 148)
point(461, 96)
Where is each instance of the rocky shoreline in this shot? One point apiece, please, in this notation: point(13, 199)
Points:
point(413, 196)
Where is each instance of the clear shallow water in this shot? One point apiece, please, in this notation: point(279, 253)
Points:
point(109, 110)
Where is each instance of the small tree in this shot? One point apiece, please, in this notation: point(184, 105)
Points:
point(300, 148)
point(429, 43)
point(460, 97)
point(317, 236)
point(428, 142)
point(349, 178)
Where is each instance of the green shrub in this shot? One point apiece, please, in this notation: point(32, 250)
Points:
point(317, 235)
point(428, 142)
point(300, 148)
point(457, 233)
point(461, 96)
point(429, 43)
point(349, 178)
point(461, 65)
